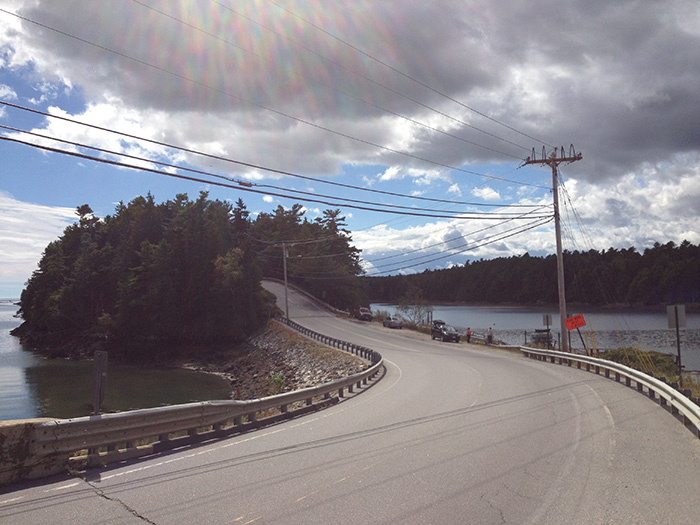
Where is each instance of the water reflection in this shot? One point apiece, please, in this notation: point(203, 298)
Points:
point(31, 386)
point(64, 388)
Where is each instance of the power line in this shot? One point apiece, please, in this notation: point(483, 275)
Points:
point(455, 251)
point(254, 166)
point(369, 79)
point(461, 236)
point(242, 183)
point(405, 75)
point(246, 187)
point(345, 93)
point(267, 108)
point(493, 239)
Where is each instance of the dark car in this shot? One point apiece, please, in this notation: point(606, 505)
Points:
point(444, 332)
point(393, 321)
point(363, 314)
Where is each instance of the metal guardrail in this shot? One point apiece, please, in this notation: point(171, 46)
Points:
point(41, 447)
point(680, 403)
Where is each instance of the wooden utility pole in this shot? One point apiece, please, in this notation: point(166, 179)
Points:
point(286, 286)
point(553, 162)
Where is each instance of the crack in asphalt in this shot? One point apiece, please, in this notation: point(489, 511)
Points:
point(132, 511)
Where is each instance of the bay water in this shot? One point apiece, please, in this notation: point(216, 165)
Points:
point(604, 329)
point(33, 386)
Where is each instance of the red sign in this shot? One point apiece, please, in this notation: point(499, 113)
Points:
point(577, 321)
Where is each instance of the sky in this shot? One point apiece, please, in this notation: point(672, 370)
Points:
point(413, 118)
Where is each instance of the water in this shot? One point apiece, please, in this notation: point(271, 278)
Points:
point(603, 330)
point(32, 386)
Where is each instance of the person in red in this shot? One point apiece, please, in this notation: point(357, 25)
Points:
point(469, 334)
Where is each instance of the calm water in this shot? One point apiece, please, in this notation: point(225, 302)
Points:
point(31, 386)
point(603, 330)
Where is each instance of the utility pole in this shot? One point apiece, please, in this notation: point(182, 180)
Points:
point(553, 162)
point(286, 287)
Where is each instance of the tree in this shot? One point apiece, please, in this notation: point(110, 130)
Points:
point(413, 307)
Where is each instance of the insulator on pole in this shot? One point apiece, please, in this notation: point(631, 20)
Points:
point(534, 157)
point(544, 153)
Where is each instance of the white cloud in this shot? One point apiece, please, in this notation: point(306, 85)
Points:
point(26, 230)
point(7, 93)
point(486, 193)
point(455, 189)
point(391, 173)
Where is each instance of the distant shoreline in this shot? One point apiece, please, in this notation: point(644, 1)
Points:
point(689, 308)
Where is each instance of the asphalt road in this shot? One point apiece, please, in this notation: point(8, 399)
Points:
point(452, 433)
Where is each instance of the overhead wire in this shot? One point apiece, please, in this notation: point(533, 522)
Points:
point(280, 171)
point(370, 79)
point(251, 165)
point(406, 75)
point(248, 187)
point(250, 184)
point(495, 238)
point(262, 106)
point(342, 92)
point(461, 236)
point(456, 251)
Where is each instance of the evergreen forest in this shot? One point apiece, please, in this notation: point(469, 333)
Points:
point(186, 274)
point(154, 278)
point(664, 274)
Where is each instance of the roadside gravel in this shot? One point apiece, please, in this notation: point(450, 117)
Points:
point(280, 360)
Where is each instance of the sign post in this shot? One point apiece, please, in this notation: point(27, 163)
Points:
point(574, 323)
point(676, 319)
point(100, 366)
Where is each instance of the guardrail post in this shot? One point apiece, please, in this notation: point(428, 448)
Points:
point(640, 387)
point(340, 392)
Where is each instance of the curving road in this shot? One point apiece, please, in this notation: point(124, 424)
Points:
point(451, 434)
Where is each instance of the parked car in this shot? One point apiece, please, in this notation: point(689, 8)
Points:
point(444, 332)
point(363, 314)
point(393, 321)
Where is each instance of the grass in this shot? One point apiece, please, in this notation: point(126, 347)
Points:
point(656, 363)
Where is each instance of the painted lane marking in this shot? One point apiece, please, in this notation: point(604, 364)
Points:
point(63, 487)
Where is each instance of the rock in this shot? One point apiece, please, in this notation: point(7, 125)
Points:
point(280, 360)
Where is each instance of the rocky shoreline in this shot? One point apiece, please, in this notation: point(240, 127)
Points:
point(279, 360)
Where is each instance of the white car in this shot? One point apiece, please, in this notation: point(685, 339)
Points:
point(393, 321)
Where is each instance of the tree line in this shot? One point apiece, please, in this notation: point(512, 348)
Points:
point(663, 274)
point(180, 274)
point(187, 273)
